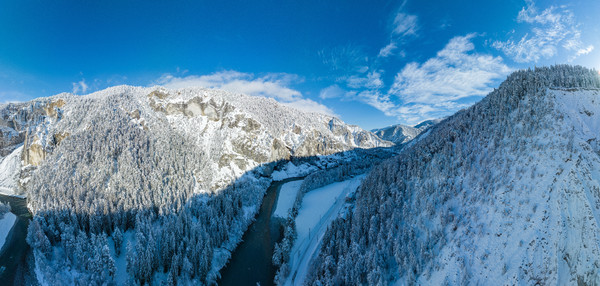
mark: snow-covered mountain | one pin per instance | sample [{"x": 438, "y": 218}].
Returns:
[
  {"x": 235, "y": 132},
  {"x": 401, "y": 134},
  {"x": 504, "y": 192},
  {"x": 174, "y": 175}
]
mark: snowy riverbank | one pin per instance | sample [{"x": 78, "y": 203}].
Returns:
[
  {"x": 6, "y": 224},
  {"x": 286, "y": 198},
  {"x": 319, "y": 208}
]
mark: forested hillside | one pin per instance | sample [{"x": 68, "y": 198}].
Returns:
[
  {"x": 145, "y": 185},
  {"x": 504, "y": 192}
]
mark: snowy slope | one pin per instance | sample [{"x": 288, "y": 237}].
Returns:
[
  {"x": 6, "y": 224},
  {"x": 319, "y": 208},
  {"x": 10, "y": 166},
  {"x": 505, "y": 192},
  {"x": 286, "y": 198},
  {"x": 399, "y": 134}
]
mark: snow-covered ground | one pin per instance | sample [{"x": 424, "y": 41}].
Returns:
[
  {"x": 9, "y": 169},
  {"x": 6, "y": 224},
  {"x": 121, "y": 275},
  {"x": 286, "y": 198},
  {"x": 319, "y": 208},
  {"x": 583, "y": 112},
  {"x": 290, "y": 171}
]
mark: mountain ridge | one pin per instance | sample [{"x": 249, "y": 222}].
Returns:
[
  {"x": 276, "y": 128},
  {"x": 494, "y": 194},
  {"x": 402, "y": 134}
]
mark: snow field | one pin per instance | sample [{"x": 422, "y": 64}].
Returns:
[
  {"x": 319, "y": 208},
  {"x": 290, "y": 170},
  {"x": 9, "y": 168},
  {"x": 286, "y": 198},
  {"x": 6, "y": 224}
]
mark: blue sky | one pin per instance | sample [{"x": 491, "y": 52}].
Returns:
[{"x": 371, "y": 63}]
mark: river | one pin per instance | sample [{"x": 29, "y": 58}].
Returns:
[
  {"x": 13, "y": 253},
  {"x": 251, "y": 262}
]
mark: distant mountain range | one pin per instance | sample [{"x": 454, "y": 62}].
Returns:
[{"x": 401, "y": 134}]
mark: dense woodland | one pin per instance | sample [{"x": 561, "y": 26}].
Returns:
[
  {"x": 141, "y": 185},
  {"x": 134, "y": 182},
  {"x": 410, "y": 206}
]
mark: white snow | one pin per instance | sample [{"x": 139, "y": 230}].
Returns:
[
  {"x": 290, "y": 171},
  {"x": 546, "y": 220},
  {"x": 9, "y": 169},
  {"x": 582, "y": 110},
  {"x": 6, "y": 224},
  {"x": 121, "y": 275},
  {"x": 319, "y": 208},
  {"x": 286, "y": 198}
]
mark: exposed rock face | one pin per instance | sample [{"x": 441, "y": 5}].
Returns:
[
  {"x": 26, "y": 124},
  {"x": 191, "y": 108},
  {"x": 9, "y": 140},
  {"x": 279, "y": 151},
  {"x": 243, "y": 135},
  {"x": 34, "y": 153},
  {"x": 53, "y": 108}
]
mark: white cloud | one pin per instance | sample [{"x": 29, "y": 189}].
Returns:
[
  {"x": 456, "y": 72},
  {"x": 378, "y": 100},
  {"x": 552, "y": 28},
  {"x": 273, "y": 85},
  {"x": 332, "y": 91},
  {"x": 405, "y": 24},
  {"x": 442, "y": 84},
  {"x": 371, "y": 81},
  {"x": 387, "y": 50},
  {"x": 80, "y": 86},
  {"x": 455, "y": 78}
]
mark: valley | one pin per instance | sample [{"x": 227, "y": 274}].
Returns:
[{"x": 157, "y": 186}]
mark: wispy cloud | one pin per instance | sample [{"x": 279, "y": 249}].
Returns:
[
  {"x": 404, "y": 25},
  {"x": 441, "y": 85},
  {"x": 273, "y": 85},
  {"x": 332, "y": 91},
  {"x": 455, "y": 72},
  {"x": 387, "y": 50},
  {"x": 344, "y": 59},
  {"x": 370, "y": 80},
  {"x": 552, "y": 28},
  {"x": 80, "y": 87},
  {"x": 454, "y": 79}
]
